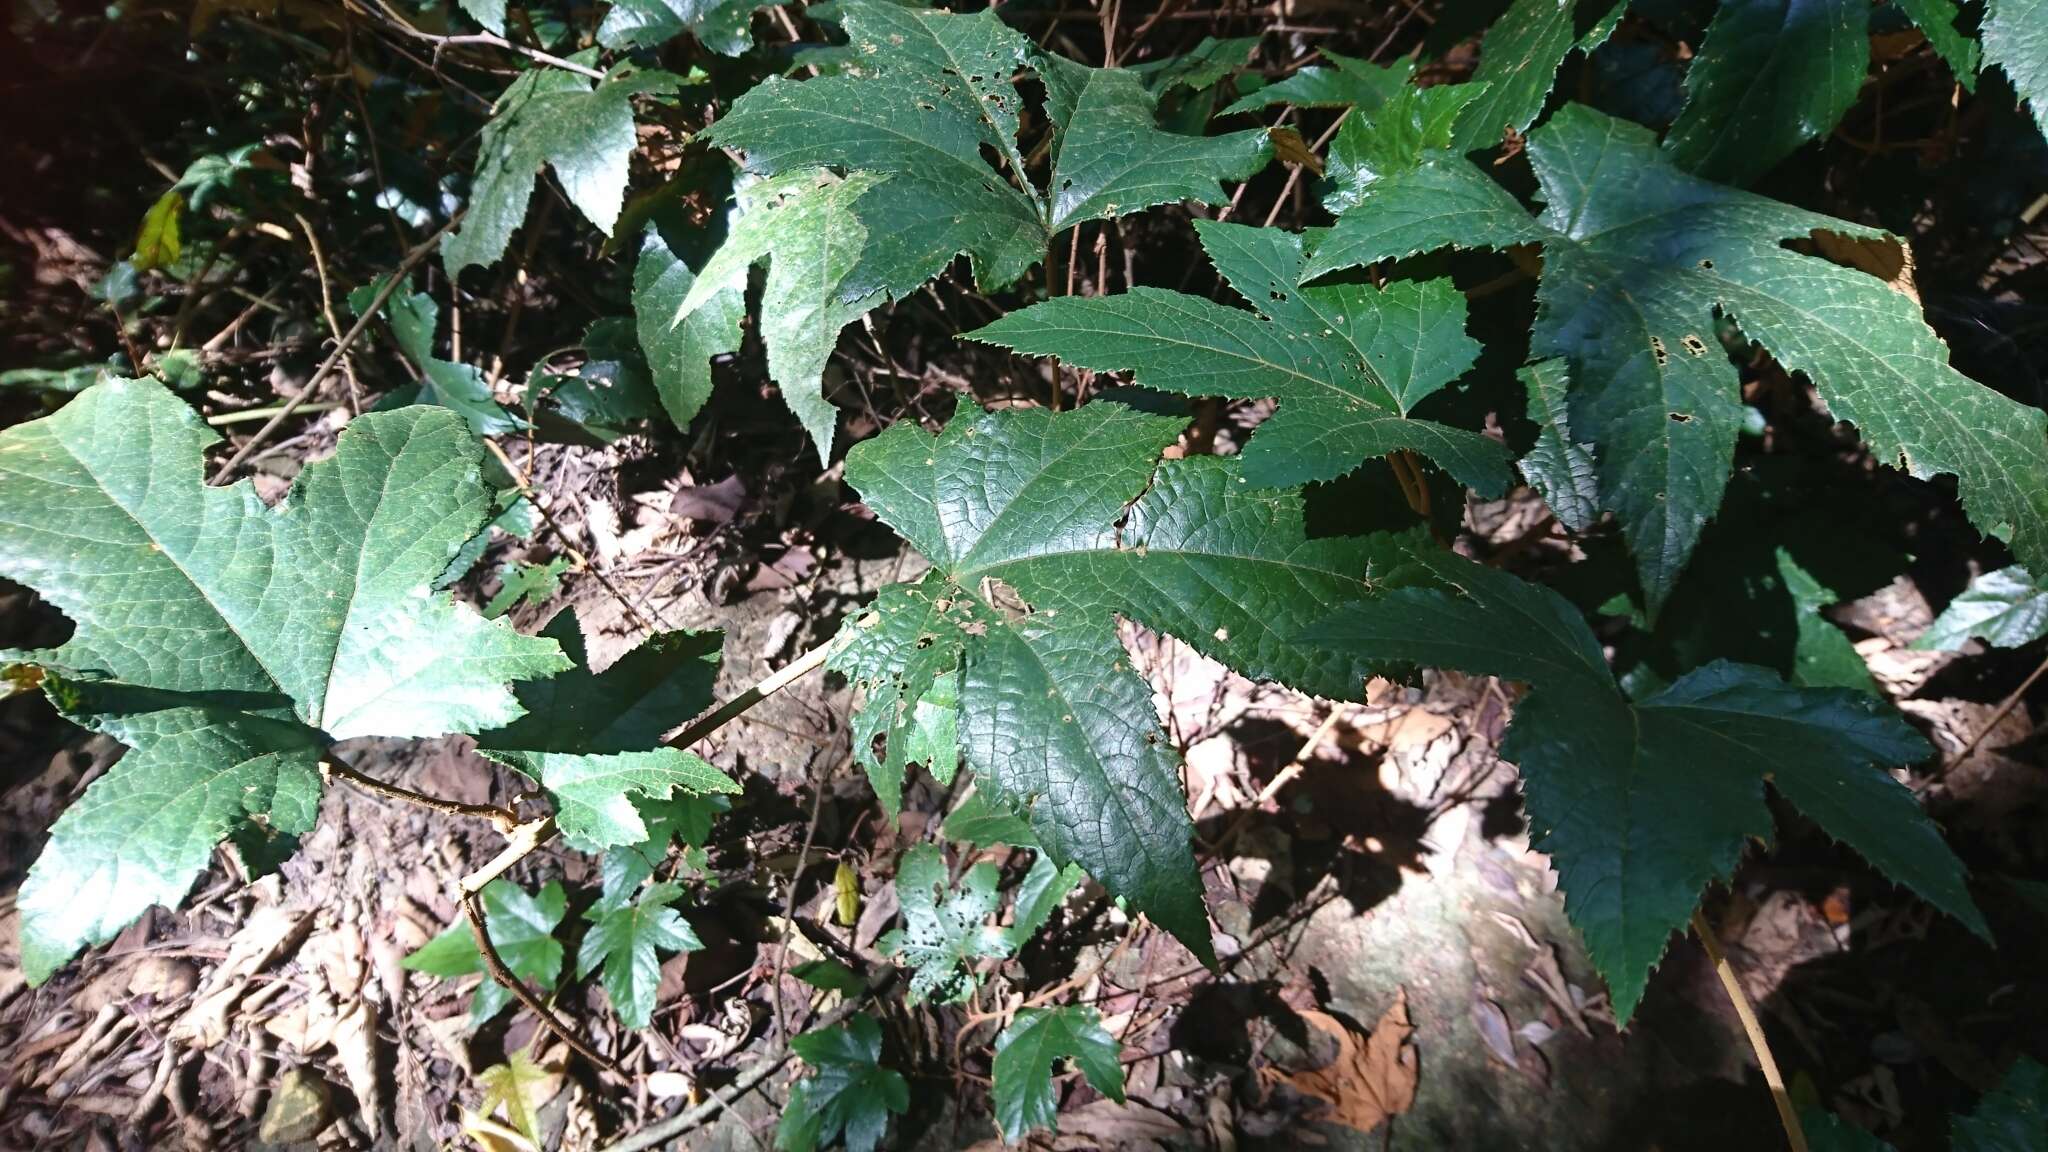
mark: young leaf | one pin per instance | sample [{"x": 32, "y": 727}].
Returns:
[
  {"x": 522, "y": 1088},
  {"x": 1347, "y": 361},
  {"x": 680, "y": 819},
  {"x": 1638, "y": 260},
  {"x": 982, "y": 823},
  {"x": 591, "y": 738},
  {"x": 932, "y": 90},
  {"x": 624, "y": 939},
  {"x": 237, "y": 639},
  {"x": 522, "y": 929},
  {"x": 943, "y": 929},
  {"x": 2005, "y": 609},
  {"x": 1413, "y": 124},
  {"x": 552, "y": 117},
  {"x": 1770, "y": 75},
  {"x": 1641, "y": 804},
  {"x": 1558, "y": 465},
  {"x": 803, "y": 224},
  {"x": 1518, "y": 62},
  {"x": 460, "y": 388},
  {"x": 1028, "y": 1049},
  {"x": 2016, "y": 39},
  {"x": 526, "y": 583},
  {"x": 679, "y": 352},
  {"x": 1822, "y": 656},
  {"x": 157, "y": 242},
  {"x": 851, "y": 1096},
  {"x": 894, "y": 664},
  {"x": 1076, "y": 515}
]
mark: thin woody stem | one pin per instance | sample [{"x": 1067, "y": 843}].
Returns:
[
  {"x": 1787, "y": 1115},
  {"x": 333, "y": 767},
  {"x": 473, "y": 906}
]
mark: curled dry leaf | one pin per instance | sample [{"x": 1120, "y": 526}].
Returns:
[{"x": 1373, "y": 1077}]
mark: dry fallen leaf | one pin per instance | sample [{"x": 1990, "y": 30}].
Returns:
[{"x": 1373, "y": 1077}]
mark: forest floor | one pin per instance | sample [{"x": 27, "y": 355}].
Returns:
[{"x": 1390, "y": 940}]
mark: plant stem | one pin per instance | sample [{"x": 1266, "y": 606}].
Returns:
[
  {"x": 773, "y": 683},
  {"x": 248, "y": 414},
  {"x": 473, "y": 906},
  {"x": 1787, "y": 1115},
  {"x": 333, "y": 767},
  {"x": 2004, "y": 708}
]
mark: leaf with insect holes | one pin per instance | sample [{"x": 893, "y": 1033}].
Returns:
[
  {"x": 1641, "y": 803},
  {"x": 930, "y": 95},
  {"x": 850, "y": 1096},
  {"x": 1639, "y": 260},
  {"x": 551, "y": 117},
  {"x": 593, "y": 739},
  {"x": 1770, "y": 75},
  {"x": 945, "y": 928},
  {"x": 1348, "y": 362},
  {"x": 1076, "y": 517},
  {"x": 627, "y": 940},
  {"x": 1028, "y": 1050},
  {"x": 231, "y": 641},
  {"x": 522, "y": 928}
]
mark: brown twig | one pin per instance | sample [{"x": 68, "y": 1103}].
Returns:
[
  {"x": 1787, "y": 1115},
  {"x": 333, "y": 767},
  {"x": 473, "y": 906},
  {"x": 2004, "y": 708},
  {"x": 419, "y": 252}
]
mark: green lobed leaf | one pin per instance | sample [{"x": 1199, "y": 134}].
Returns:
[
  {"x": 1770, "y": 75},
  {"x": 1348, "y": 82},
  {"x": 557, "y": 118},
  {"x": 460, "y": 388},
  {"x": 1822, "y": 656},
  {"x": 2012, "y": 1117},
  {"x": 850, "y": 1097},
  {"x": 803, "y": 224},
  {"x": 1026, "y": 1053},
  {"x": 522, "y": 927},
  {"x": 627, "y": 940},
  {"x": 2005, "y": 609},
  {"x": 930, "y": 92},
  {"x": 593, "y": 739},
  {"x": 1936, "y": 20},
  {"x": 1346, "y": 361},
  {"x": 1641, "y": 804},
  {"x": 1518, "y": 62},
  {"x": 1076, "y": 515},
  {"x": 679, "y": 352},
  {"x": 1411, "y": 125},
  {"x": 2015, "y": 36},
  {"x": 945, "y": 928},
  {"x": 1650, "y": 386},
  {"x": 681, "y": 818}
]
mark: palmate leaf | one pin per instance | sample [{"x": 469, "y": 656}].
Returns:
[
  {"x": 627, "y": 939},
  {"x": 1076, "y": 515},
  {"x": 1347, "y": 361},
  {"x": 1347, "y": 82},
  {"x": 230, "y": 641},
  {"x": 1770, "y": 75},
  {"x": 803, "y": 224},
  {"x": 522, "y": 928},
  {"x": 1038, "y": 1039},
  {"x": 928, "y": 91},
  {"x": 1640, "y": 804},
  {"x": 1936, "y": 20},
  {"x": 850, "y": 1097},
  {"x": 556, "y": 118},
  {"x": 593, "y": 739},
  {"x": 945, "y": 928},
  {"x": 2016, "y": 39},
  {"x": 1638, "y": 260},
  {"x": 460, "y": 388}
]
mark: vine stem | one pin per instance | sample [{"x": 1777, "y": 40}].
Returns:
[
  {"x": 1787, "y": 1115},
  {"x": 333, "y": 767}
]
